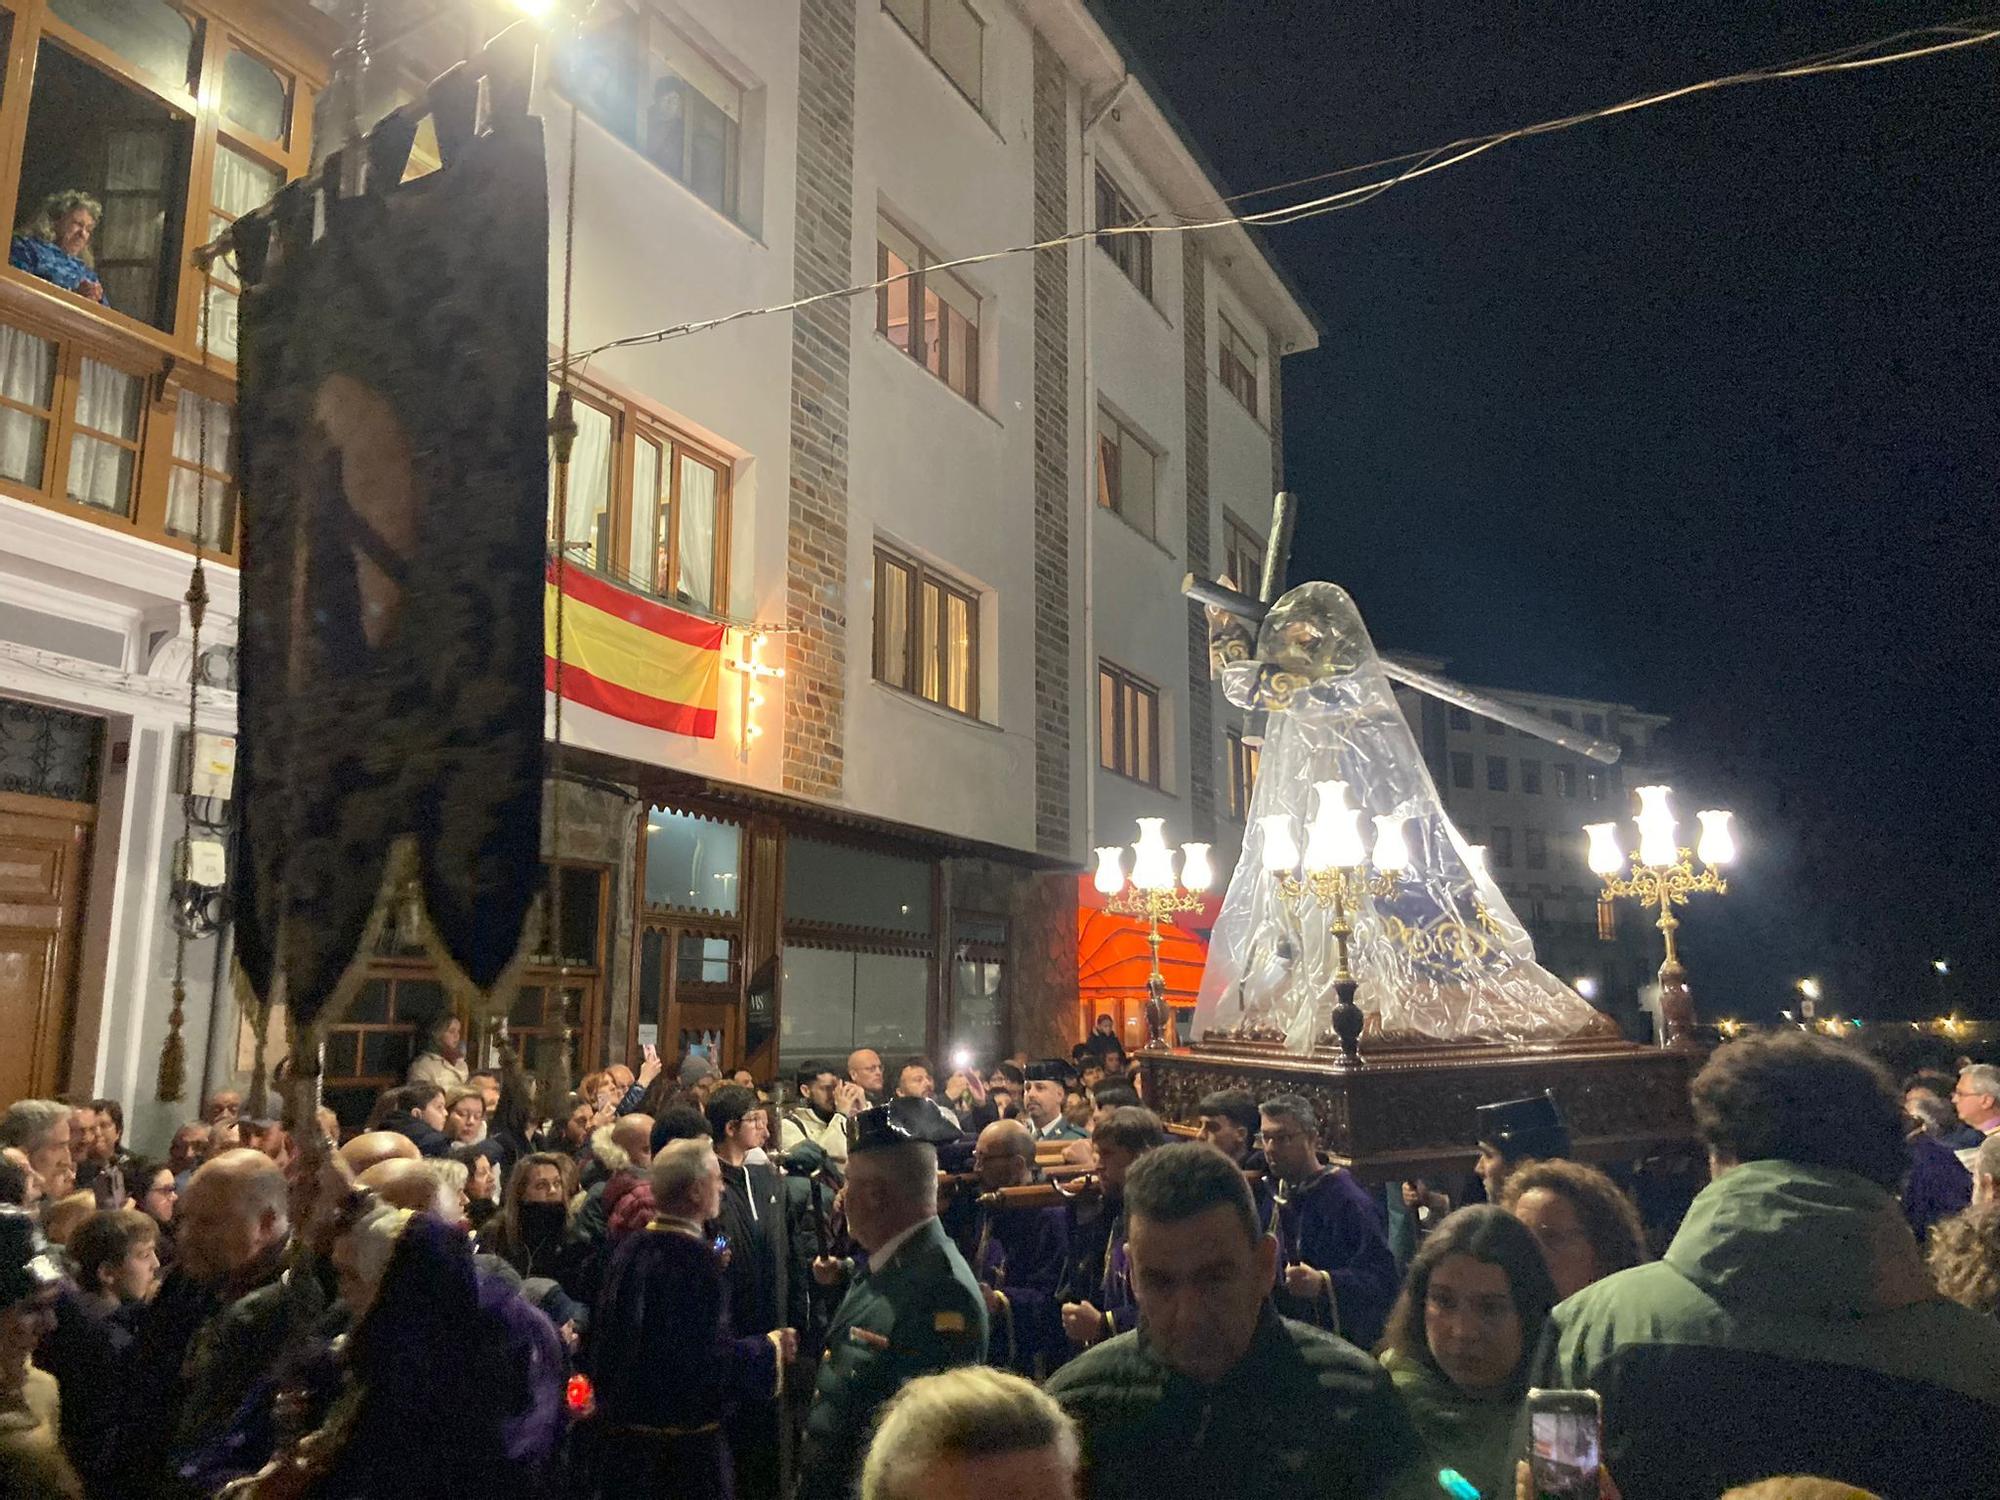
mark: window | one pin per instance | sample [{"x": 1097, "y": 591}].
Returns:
[
  {"x": 1607, "y": 920},
  {"x": 1458, "y": 718},
  {"x": 1131, "y": 253},
  {"x": 926, "y": 633},
  {"x": 1242, "y": 555},
  {"x": 1535, "y": 844},
  {"x": 128, "y": 95},
  {"x": 1494, "y": 726},
  {"x": 1500, "y": 847},
  {"x": 1593, "y": 786},
  {"x": 979, "y": 982},
  {"x": 930, "y": 315},
  {"x": 951, "y": 32},
  {"x": 1563, "y": 717},
  {"x": 1496, "y": 773},
  {"x": 1128, "y": 725},
  {"x": 1531, "y": 777},
  {"x": 693, "y": 863},
  {"x": 1238, "y": 364},
  {"x": 1126, "y": 474},
  {"x": 1243, "y": 760},
  {"x": 1461, "y": 770},
  {"x": 1565, "y": 781},
  {"x": 81, "y": 432},
  {"x": 645, "y": 83},
  {"x": 647, "y": 508},
  {"x": 200, "y": 482},
  {"x": 1593, "y": 723}
]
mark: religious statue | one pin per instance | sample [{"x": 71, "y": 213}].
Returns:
[{"x": 1435, "y": 954}]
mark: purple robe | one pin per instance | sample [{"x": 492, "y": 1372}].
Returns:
[
  {"x": 1938, "y": 1186},
  {"x": 668, "y": 1369},
  {"x": 1021, "y": 1254},
  {"x": 1333, "y": 1225}
]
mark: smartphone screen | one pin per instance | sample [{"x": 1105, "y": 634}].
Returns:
[{"x": 1563, "y": 1435}]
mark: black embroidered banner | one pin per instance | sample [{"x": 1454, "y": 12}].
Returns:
[{"x": 394, "y": 457}]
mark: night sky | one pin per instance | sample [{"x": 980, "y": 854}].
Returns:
[{"x": 1693, "y": 409}]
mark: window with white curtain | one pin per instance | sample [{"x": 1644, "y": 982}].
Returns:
[
  {"x": 699, "y": 502},
  {"x": 200, "y": 483},
  {"x": 588, "y": 516},
  {"x": 241, "y": 183},
  {"x": 647, "y": 508},
  {"x": 104, "y": 449},
  {"x": 27, "y": 399}
]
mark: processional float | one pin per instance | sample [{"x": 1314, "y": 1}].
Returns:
[{"x": 1363, "y": 956}]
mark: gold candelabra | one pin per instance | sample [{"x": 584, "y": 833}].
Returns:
[
  {"x": 1661, "y": 876},
  {"x": 1155, "y": 894},
  {"x": 1336, "y": 872}
]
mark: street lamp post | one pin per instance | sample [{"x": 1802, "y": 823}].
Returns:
[
  {"x": 1663, "y": 875},
  {"x": 1153, "y": 893},
  {"x": 1336, "y": 871}
]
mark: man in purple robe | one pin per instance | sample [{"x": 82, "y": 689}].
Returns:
[
  {"x": 1335, "y": 1266},
  {"x": 667, "y": 1368},
  {"x": 1017, "y": 1254}
]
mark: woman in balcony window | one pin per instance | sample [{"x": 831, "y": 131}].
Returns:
[{"x": 55, "y": 244}]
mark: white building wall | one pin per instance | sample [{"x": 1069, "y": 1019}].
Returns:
[{"x": 930, "y": 472}]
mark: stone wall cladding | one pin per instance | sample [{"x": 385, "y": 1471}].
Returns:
[
  {"x": 1201, "y": 697},
  {"x": 1052, "y": 455},
  {"x": 816, "y": 546}
]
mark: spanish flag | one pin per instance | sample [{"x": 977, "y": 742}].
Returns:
[{"x": 632, "y": 657}]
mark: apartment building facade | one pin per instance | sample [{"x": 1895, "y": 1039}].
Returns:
[{"x": 954, "y": 511}]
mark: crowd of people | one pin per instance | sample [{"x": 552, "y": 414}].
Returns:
[{"x": 1018, "y": 1283}]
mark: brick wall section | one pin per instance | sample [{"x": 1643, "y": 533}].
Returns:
[
  {"x": 1201, "y": 698},
  {"x": 1052, "y": 455},
  {"x": 816, "y": 547}
]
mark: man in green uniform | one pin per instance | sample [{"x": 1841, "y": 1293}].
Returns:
[{"x": 915, "y": 1310}]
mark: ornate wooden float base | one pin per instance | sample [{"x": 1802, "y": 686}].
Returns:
[{"x": 1408, "y": 1110}]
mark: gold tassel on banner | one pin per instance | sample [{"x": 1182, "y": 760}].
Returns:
[{"x": 173, "y": 1055}]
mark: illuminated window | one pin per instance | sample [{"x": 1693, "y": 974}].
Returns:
[
  {"x": 1127, "y": 474},
  {"x": 930, "y": 315},
  {"x": 1128, "y": 724},
  {"x": 926, "y": 633}
]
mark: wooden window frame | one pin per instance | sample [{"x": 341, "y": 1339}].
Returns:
[
  {"x": 657, "y": 64},
  {"x": 633, "y": 423},
  {"x": 1239, "y": 542},
  {"x": 1132, "y": 254},
  {"x": 975, "y": 99},
  {"x": 297, "y": 52},
  {"x": 1245, "y": 760},
  {"x": 222, "y": 30},
  {"x": 917, "y": 280},
  {"x": 920, "y": 574},
  {"x": 1110, "y": 477},
  {"x": 1237, "y": 372},
  {"x": 1119, "y": 756}
]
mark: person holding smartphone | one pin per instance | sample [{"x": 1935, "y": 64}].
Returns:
[{"x": 1461, "y": 1336}]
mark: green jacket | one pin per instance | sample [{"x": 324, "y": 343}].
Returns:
[
  {"x": 1789, "y": 1330},
  {"x": 1475, "y": 1435},
  {"x": 1304, "y": 1414},
  {"x": 922, "y": 1314}
]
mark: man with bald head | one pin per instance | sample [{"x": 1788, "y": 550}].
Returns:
[
  {"x": 373, "y": 1146},
  {"x": 207, "y": 1336},
  {"x": 424, "y": 1185},
  {"x": 1018, "y": 1254},
  {"x": 864, "y": 1067}
]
